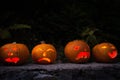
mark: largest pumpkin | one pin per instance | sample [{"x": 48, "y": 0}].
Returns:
[
  {"x": 77, "y": 51},
  {"x": 14, "y": 53}
]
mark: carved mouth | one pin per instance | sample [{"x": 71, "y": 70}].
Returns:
[
  {"x": 44, "y": 59},
  {"x": 82, "y": 55},
  {"x": 112, "y": 54},
  {"x": 12, "y": 60}
]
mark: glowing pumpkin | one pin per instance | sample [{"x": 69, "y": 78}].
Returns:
[
  {"x": 104, "y": 52},
  {"x": 44, "y": 53},
  {"x": 14, "y": 53},
  {"x": 77, "y": 51}
]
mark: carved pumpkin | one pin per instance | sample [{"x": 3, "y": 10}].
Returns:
[
  {"x": 14, "y": 53},
  {"x": 77, "y": 51},
  {"x": 44, "y": 53},
  {"x": 104, "y": 52}
]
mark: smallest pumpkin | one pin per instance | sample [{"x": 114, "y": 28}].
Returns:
[
  {"x": 104, "y": 52},
  {"x": 44, "y": 53},
  {"x": 14, "y": 53}
]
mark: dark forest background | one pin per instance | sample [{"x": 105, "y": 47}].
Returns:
[{"x": 60, "y": 21}]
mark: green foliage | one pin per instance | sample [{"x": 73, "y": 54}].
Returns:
[
  {"x": 93, "y": 36},
  {"x": 19, "y": 26},
  {"x": 89, "y": 36},
  {"x": 5, "y": 33}
]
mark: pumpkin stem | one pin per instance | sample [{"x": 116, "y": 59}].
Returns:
[
  {"x": 14, "y": 42},
  {"x": 42, "y": 42}
]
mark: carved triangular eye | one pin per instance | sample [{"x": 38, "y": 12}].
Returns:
[
  {"x": 104, "y": 47},
  {"x": 76, "y": 48},
  {"x": 112, "y": 47},
  {"x": 14, "y": 49},
  {"x": 5, "y": 49},
  {"x": 40, "y": 49}
]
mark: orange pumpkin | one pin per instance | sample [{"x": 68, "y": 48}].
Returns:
[
  {"x": 77, "y": 51},
  {"x": 104, "y": 52},
  {"x": 14, "y": 53},
  {"x": 44, "y": 53}
]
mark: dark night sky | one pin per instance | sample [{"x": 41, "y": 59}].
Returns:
[{"x": 62, "y": 19}]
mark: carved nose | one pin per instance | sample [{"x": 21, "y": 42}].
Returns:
[
  {"x": 10, "y": 54},
  {"x": 44, "y": 54}
]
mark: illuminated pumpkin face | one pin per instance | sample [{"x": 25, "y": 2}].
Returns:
[
  {"x": 14, "y": 53},
  {"x": 104, "y": 52},
  {"x": 77, "y": 51},
  {"x": 44, "y": 54}
]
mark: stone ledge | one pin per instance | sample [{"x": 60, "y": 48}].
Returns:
[{"x": 64, "y": 71}]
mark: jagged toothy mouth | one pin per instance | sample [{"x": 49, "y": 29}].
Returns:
[
  {"x": 12, "y": 60},
  {"x": 82, "y": 55}
]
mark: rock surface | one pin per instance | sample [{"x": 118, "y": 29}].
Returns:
[{"x": 64, "y": 71}]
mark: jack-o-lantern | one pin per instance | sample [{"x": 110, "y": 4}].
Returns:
[
  {"x": 77, "y": 51},
  {"x": 14, "y": 53},
  {"x": 44, "y": 53},
  {"x": 104, "y": 52}
]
